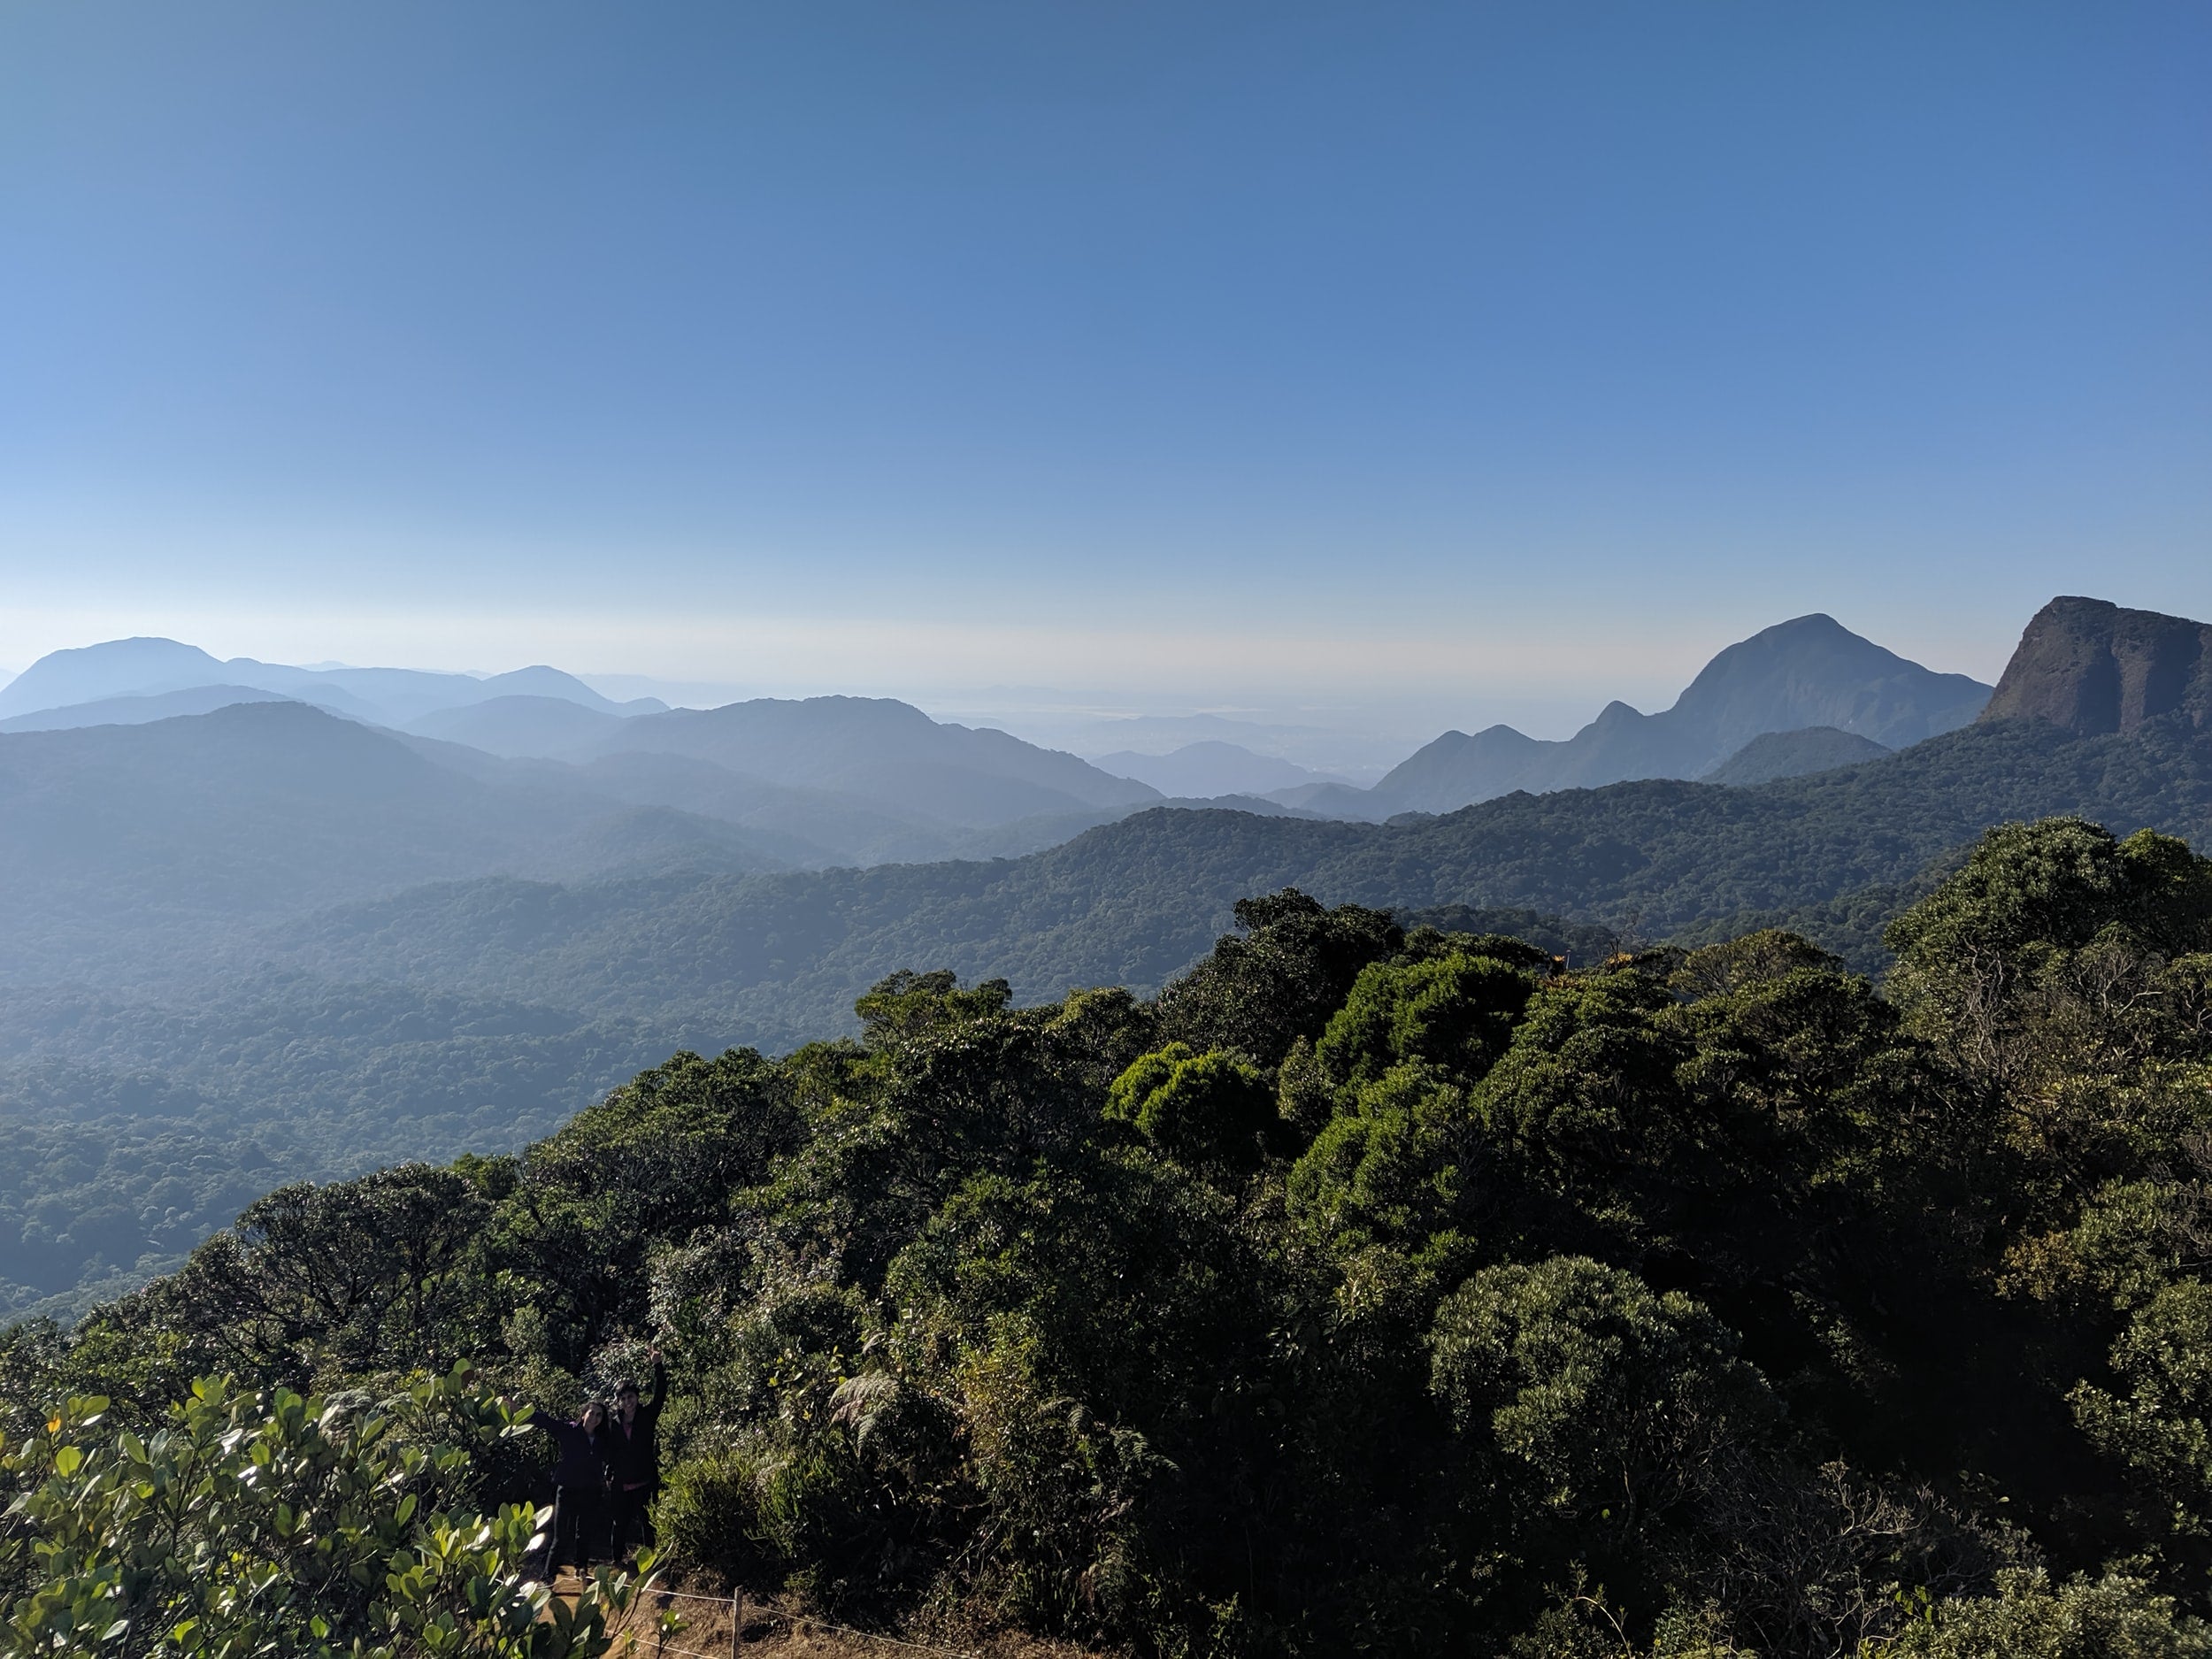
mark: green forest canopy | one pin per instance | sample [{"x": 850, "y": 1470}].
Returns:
[
  {"x": 472, "y": 1016},
  {"x": 1365, "y": 1289}
]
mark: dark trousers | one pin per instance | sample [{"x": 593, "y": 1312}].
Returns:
[
  {"x": 579, "y": 1525},
  {"x": 630, "y": 1508}
]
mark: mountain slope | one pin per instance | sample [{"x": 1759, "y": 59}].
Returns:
[
  {"x": 1793, "y": 754},
  {"x": 782, "y": 955},
  {"x": 454, "y": 1014},
  {"x": 113, "y": 669},
  {"x": 1815, "y": 672},
  {"x": 137, "y": 710},
  {"x": 129, "y": 848},
  {"x": 519, "y": 726},
  {"x": 1458, "y": 769},
  {"x": 1207, "y": 768},
  {"x": 2092, "y": 667},
  {"x": 840, "y": 828},
  {"x": 884, "y": 751},
  {"x": 1805, "y": 673},
  {"x": 138, "y": 1126}
]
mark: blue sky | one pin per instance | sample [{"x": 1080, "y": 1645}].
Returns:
[{"x": 1452, "y": 360}]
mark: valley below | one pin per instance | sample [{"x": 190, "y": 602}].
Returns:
[{"x": 267, "y": 939}]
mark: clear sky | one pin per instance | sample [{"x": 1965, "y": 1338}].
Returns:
[{"x": 1440, "y": 354}]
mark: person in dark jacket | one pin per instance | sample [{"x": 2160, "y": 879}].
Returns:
[
  {"x": 579, "y": 1488},
  {"x": 634, "y": 1457}
]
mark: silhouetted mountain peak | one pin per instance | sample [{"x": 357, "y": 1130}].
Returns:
[
  {"x": 86, "y": 673},
  {"x": 2093, "y": 667},
  {"x": 541, "y": 680},
  {"x": 1810, "y": 670}
]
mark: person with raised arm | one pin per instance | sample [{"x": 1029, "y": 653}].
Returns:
[
  {"x": 579, "y": 1488},
  {"x": 634, "y": 1457}
]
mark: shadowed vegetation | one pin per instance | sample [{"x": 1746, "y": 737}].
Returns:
[{"x": 1370, "y": 1289}]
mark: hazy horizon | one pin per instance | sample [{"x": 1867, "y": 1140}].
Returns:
[
  {"x": 1357, "y": 736},
  {"x": 1523, "y": 683},
  {"x": 1408, "y": 366}
]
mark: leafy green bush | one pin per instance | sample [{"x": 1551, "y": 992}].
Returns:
[
  {"x": 273, "y": 1523},
  {"x": 2114, "y": 1617},
  {"x": 1197, "y": 1107}
]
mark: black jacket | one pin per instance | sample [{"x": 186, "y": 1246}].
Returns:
[
  {"x": 633, "y": 1458},
  {"x": 583, "y": 1461}
]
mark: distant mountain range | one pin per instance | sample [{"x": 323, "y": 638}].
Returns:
[
  {"x": 139, "y": 850},
  {"x": 260, "y": 806},
  {"x": 1209, "y": 768},
  {"x": 123, "y": 672},
  {"x": 275, "y": 922},
  {"x": 1833, "y": 853},
  {"x": 1809, "y": 672},
  {"x": 826, "y": 780},
  {"x": 878, "y": 781}
]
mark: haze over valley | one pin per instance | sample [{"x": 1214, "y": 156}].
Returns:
[
  {"x": 310, "y": 920},
  {"x": 1106, "y": 831}
]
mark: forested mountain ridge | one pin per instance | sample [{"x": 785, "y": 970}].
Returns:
[
  {"x": 1794, "y": 754},
  {"x": 875, "y": 747},
  {"x": 1710, "y": 1302},
  {"x": 1807, "y": 672},
  {"x": 884, "y": 755},
  {"x": 827, "y": 780},
  {"x": 1132, "y": 902},
  {"x": 140, "y": 849},
  {"x": 149, "y": 842}
]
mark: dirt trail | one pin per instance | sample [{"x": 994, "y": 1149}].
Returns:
[{"x": 776, "y": 1632}]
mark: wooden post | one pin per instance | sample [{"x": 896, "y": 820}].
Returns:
[{"x": 737, "y": 1620}]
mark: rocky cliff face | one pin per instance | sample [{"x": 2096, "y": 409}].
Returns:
[{"x": 2090, "y": 666}]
